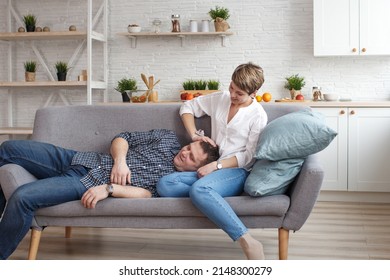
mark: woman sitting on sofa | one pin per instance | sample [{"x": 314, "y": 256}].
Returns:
[{"x": 236, "y": 122}]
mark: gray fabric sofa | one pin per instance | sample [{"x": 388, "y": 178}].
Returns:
[{"x": 86, "y": 128}]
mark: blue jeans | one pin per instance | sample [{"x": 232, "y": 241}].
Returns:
[
  {"x": 208, "y": 193},
  {"x": 58, "y": 182}
]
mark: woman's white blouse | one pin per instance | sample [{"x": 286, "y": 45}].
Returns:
[{"x": 237, "y": 138}]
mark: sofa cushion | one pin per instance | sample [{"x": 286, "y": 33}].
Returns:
[
  {"x": 166, "y": 206},
  {"x": 272, "y": 177},
  {"x": 295, "y": 135}
]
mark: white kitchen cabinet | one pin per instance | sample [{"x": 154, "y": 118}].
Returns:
[
  {"x": 86, "y": 40},
  {"x": 357, "y": 159},
  {"x": 334, "y": 157},
  {"x": 351, "y": 27},
  {"x": 369, "y": 149}
]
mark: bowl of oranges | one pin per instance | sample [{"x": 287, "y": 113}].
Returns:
[{"x": 139, "y": 96}]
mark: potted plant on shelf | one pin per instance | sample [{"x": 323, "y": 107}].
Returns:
[
  {"x": 294, "y": 84},
  {"x": 62, "y": 70},
  {"x": 30, "y": 68},
  {"x": 125, "y": 86},
  {"x": 30, "y": 21},
  {"x": 220, "y": 15}
]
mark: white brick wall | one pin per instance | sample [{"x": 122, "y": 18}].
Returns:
[{"x": 277, "y": 34}]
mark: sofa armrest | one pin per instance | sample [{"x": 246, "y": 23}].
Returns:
[
  {"x": 12, "y": 176},
  {"x": 304, "y": 193}
]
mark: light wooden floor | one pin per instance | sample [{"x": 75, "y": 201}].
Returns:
[{"x": 334, "y": 231}]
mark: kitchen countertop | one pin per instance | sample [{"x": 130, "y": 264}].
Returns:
[
  {"x": 314, "y": 104},
  {"x": 338, "y": 104}
]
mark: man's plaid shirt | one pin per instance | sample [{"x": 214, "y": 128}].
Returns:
[{"x": 150, "y": 156}]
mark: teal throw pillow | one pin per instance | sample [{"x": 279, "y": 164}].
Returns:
[
  {"x": 294, "y": 135},
  {"x": 272, "y": 177}
]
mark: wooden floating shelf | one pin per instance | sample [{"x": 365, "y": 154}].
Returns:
[
  {"x": 16, "y": 130},
  {"x": 44, "y": 84},
  {"x": 178, "y": 34},
  {"x": 57, "y": 35},
  {"x": 133, "y": 36}
]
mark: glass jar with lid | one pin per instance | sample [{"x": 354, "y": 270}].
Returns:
[
  {"x": 175, "y": 23},
  {"x": 317, "y": 95}
]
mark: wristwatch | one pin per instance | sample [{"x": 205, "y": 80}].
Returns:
[
  {"x": 219, "y": 165},
  {"x": 110, "y": 189}
]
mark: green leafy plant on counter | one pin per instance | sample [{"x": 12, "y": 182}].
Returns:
[
  {"x": 189, "y": 85},
  {"x": 213, "y": 85},
  {"x": 125, "y": 84},
  {"x": 295, "y": 82},
  {"x": 200, "y": 85}
]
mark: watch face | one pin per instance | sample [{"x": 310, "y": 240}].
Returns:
[{"x": 219, "y": 166}]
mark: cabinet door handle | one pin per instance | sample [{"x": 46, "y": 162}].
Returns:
[
  {"x": 342, "y": 112},
  {"x": 364, "y": 49},
  {"x": 353, "y": 112},
  {"x": 354, "y": 50}
]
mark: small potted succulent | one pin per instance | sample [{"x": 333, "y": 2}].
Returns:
[
  {"x": 294, "y": 84},
  {"x": 125, "y": 86},
  {"x": 30, "y": 68},
  {"x": 62, "y": 70},
  {"x": 30, "y": 21},
  {"x": 220, "y": 15}
]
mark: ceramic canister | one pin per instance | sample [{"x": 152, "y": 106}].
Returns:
[
  {"x": 193, "y": 25},
  {"x": 205, "y": 25}
]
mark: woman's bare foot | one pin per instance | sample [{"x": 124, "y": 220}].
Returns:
[{"x": 252, "y": 248}]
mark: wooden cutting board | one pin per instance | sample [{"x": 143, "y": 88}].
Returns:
[{"x": 291, "y": 100}]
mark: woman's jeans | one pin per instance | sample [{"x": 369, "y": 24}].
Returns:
[
  {"x": 58, "y": 182},
  {"x": 207, "y": 194}
]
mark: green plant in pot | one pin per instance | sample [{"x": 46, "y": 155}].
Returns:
[
  {"x": 189, "y": 85},
  {"x": 30, "y": 21},
  {"x": 200, "y": 85},
  {"x": 294, "y": 84},
  {"x": 213, "y": 85},
  {"x": 125, "y": 86},
  {"x": 219, "y": 16},
  {"x": 30, "y": 68},
  {"x": 62, "y": 70}
]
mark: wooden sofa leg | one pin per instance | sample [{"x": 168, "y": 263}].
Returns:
[
  {"x": 283, "y": 243},
  {"x": 68, "y": 232},
  {"x": 34, "y": 244}
]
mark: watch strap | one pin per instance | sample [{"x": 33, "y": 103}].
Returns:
[{"x": 110, "y": 189}]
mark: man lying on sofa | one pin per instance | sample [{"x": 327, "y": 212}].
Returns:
[{"x": 135, "y": 163}]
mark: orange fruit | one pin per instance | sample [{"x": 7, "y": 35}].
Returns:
[
  {"x": 267, "y": 97},
  {"x": 259, "y": 98}
]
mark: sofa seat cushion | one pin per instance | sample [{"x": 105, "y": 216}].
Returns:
[{"x": 162, "y": 207}]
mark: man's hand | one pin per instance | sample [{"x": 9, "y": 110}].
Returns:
[
  {"x": 93, "y": 196},
  {"x": 206, "y": 169},
  {"x": 120, "y": 174}
]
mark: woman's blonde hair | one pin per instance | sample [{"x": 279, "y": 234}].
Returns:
[{"x": 248, "y": 77}]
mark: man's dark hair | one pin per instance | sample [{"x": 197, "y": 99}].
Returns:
[{"x": 211, "y": 151}]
